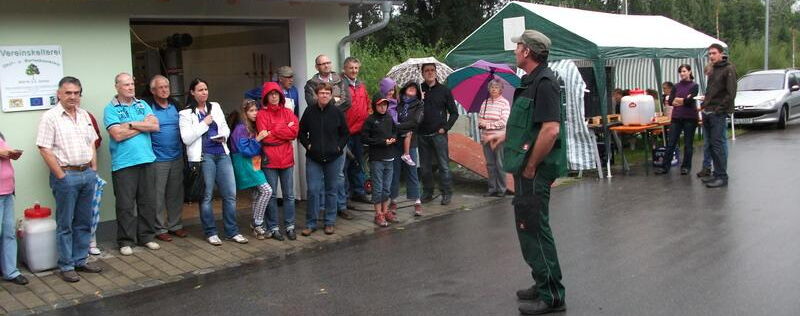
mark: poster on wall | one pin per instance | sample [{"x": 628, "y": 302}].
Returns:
[{"x": 29, "y": 77}]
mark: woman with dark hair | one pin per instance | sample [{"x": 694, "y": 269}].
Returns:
[
  {"x": 684, "y": 119},
  {"x": 246, "y": 156},
  {"x": 204, "y": 131}
]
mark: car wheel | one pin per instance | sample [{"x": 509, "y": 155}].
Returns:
[{"x": 783, "y": 118}]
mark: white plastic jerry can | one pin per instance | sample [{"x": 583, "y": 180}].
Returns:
[
  {"x": 37, "y": 239},
  {"x": 638, "y": 108}
]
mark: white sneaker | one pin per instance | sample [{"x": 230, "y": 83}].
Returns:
[
  {"x": 214, "y": 240},
  {"x": 407, "y": 159},
  {"x": 126, "y": 251},
  {"x": 239, "y": 239},
  {"x": 152, "y": 245},
  {"x": 93, "y": 250}
]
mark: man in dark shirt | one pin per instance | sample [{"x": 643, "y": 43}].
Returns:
[
  {"x": 440, "y": 113},
  {"x": 535, "y": 152}
]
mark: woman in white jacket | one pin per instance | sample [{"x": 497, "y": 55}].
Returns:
[{"x": 204, "y": 131}]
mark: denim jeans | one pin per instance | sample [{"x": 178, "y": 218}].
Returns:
[
  {"x": 73, "y": 195},
  {"x": 323, "y": 177},
  {"x": 381, "y": 180},
  {"x": 354, "y": 168},
  {"x": 285, "y": 177},
  {"x": 8, "y": 246},
  {"x": 687, "y": 127},
  {"x": 434, "y": 147},
  {"x": 707, "y": 162},
  {"x": 218, "y": 169},
  {"x": 412, "y": 181},
  {"x": 716, "y": 124}
]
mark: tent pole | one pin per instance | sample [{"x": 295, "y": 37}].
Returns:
[
  {"x": 600, "y": 81},
  {"x": 659, "y": 80}
]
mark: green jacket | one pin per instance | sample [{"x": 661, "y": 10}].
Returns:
[{"x": 523, "y": 126}]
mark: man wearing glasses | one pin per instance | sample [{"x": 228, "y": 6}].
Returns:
[{"x": 341, "y": 97}]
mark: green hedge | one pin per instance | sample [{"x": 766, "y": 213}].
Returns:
[{"x": 376, "y": 61}]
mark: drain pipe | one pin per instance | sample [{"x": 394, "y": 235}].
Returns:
[{"x": 386, "y": 8}]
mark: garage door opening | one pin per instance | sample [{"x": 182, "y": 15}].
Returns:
[{"x": 232, "y": 56}]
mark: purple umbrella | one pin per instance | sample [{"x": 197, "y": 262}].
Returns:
[{"x": 470, "y": 84}]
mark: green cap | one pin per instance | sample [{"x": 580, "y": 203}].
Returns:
[{"x": 535, "y": 40}]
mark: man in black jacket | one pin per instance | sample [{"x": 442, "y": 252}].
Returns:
[
  {"x": 717, "y": 105},
  {"x": 323, "y": 133},
  {"x": 440, "y": 115}
]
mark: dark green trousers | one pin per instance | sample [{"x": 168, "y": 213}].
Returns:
[{"x": 531, "y": 212}]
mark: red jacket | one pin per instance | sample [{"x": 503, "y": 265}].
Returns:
[
  {"x": 277, "y": 120},
  {"x": 358, "y": 112}
]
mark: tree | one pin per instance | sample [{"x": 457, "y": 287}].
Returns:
[{"x": 32, "y": 71}]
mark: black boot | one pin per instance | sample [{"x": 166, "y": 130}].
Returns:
[{"x": 538, "y": 307}]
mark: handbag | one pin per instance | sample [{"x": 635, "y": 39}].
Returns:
[{"x": 193, "y": 182}]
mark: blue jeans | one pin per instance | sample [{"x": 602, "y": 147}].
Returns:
[
  {"x": 73, "y": 195},
  {"x": 218, "y": 169},
  {"x": 285, "y": 177},
  {"x": 707, "y": 162},
  {"x": 412, "y": 181},
  {"x": 381, "y": 180},
  {"x": 8, "y": 246},
  {"x": 323, "y": 177},
  {"x": 354, "y": 168},
  {"x": 715, "y": 126},
  {"x": 434, "y": 147}
]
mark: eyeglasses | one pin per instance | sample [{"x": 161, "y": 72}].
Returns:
[{"x": 325, "y": 63}]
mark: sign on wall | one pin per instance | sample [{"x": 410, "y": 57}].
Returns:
[{"x": 29, "y": 77}]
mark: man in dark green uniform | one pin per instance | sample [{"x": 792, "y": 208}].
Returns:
[{"x": 535, "y": 154}]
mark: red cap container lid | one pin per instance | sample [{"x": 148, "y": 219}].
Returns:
[
  {"x": 636, "y": 91},
  {"x": 37, "y": 212}
]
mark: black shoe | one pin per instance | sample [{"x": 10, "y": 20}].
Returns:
[
  {"x": 684, "y": 171},
  {"x": 291, "y": 234},
  {"x": 69, "y": 276},
  {"x": 500, "y": 194},
  {"x": 276, "y": 234},
  {"x": 426, "y": 198},
  {"x": 89, "y": 268},
  {"x": 361, "y": 198},
  {"x": 528, "y": 294},
  {"x": 717, "y": 183},
  {"x": 345, "y": 214},
  {"x": 708, "y": 179},
  {"x": 661, "y": 171},
  {"x": 705, "y": 172},
  {"x": 538, "y": 307},
  {"x": 446, "y": 199},
  {"x": 20, "y": 280},
  {"x": 489, "y": 194}
]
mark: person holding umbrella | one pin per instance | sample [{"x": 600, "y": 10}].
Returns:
[{"x": 492, "y": 120}]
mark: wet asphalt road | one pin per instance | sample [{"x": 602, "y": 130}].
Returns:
[{"x": 632, "y": 245}]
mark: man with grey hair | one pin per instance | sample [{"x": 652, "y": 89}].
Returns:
[
  {"x": 130, "y": 121},
  {"x": 286, "y": 82},
  {"x": 535, "y": 153},
  {"x": 168, "y": 149},
  {"x": 66, "y": 139}
]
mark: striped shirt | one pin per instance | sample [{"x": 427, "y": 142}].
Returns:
[
  {"x": 495, "y": 113},
  {"x": 70, "y": 140}
]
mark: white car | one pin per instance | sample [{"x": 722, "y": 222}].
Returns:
[{"x": 768, "y": 97}]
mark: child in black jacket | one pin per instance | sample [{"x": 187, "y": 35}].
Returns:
[{"x": 380, "y": 134}]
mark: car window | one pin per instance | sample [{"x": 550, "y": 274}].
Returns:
[
  {"x": 794, "y": 79},
  {"x": 761, "y": 82}
]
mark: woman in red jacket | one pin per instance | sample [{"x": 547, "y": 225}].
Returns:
[{"x": 278, "y": 162}]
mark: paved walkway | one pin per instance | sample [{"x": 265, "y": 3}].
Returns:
[{"x": 188, "y": 257}]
